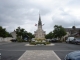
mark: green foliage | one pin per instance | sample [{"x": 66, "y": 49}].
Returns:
[
  {"x": 49, "y": 35},
  {"x": 22, "y": 34},
  {"x": 59, "y": 31},
  {"x": 19, "y": 31},
  {"x": 4, "y": 33},
  {"x": 30, "y": 35}
]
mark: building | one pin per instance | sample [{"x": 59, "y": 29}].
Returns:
[
  {"x": 39, "y": 33},
  {"x": 13, "y": 34},
  {"x": 73, "y": 31}
]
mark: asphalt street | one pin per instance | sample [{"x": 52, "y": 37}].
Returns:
[{"x": 13, "y": 51}]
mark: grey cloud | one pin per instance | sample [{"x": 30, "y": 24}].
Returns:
[
  {"x": 67, "y": 21},
  {"x": 74, "y": 4},
  {"x": 63, "y": 13},
  {"x": 14, "y": 13},
  {"x": 19, "y": 10}
]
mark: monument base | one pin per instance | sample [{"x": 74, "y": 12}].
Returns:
[{"x": 39, "y": 42}]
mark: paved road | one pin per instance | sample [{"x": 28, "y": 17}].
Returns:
[{"x": 13, "y": 51}]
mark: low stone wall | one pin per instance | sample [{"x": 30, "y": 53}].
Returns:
[{"x": 7, "y": 39}]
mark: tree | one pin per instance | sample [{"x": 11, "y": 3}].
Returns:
[
  {"x": 59, "y": 31},
  {"x": 4, "y": 33},
  {"x": 30, "y": 35},
  {"x": 22, "y": 33},
  {"x": 49, "y": 35}
]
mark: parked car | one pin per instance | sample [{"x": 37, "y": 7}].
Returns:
[
  {"x": 13, "y": 40},
  {"x": 73, "y": 41},
  {"x": 69, "y": 40},
  {"x": 25, "y": 39},
  {"x": 73, "y": 56},
  {"x": 77, "y": 41},
  {"x": 54, "y": 40}
]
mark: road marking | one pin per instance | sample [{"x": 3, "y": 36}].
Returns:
[
  {"x": 39, "y": 55},
  {"x": 56, "y": 55}
]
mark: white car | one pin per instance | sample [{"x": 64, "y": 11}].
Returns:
[{"x": 69, "y": 40}]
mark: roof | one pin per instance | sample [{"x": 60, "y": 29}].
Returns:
[{"x": 69, "y": 29}]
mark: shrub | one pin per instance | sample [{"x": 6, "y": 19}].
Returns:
[{"x": 35, "y": 43}]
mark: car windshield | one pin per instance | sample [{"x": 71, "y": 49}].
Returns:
[
  {"x": 77, "y": 38},
  {"x": 71, "y": 38}
]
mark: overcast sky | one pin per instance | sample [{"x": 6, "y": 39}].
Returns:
[{"x": 25, "y": 13}]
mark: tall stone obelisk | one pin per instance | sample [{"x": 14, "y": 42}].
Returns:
[{"x": 39, "y": 33}]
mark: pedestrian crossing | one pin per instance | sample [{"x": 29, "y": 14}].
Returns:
[{"x": 39, "y": 55}]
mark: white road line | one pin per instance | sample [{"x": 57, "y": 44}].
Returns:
[
  {"x": 39, "y": 55},
  {"x": 56, "y": 55}
]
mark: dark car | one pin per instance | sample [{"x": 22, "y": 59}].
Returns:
[
  {"x": 13, "y": 40},
  {"x": 54, "y": 40},
  {"x": 73, "y": 56},
  {"x": 76, "y": 41}
]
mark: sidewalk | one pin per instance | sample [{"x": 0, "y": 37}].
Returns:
[{"x": 39, "y": 55}]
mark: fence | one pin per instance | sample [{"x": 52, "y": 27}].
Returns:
[{"x": 7, "y": 39}]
